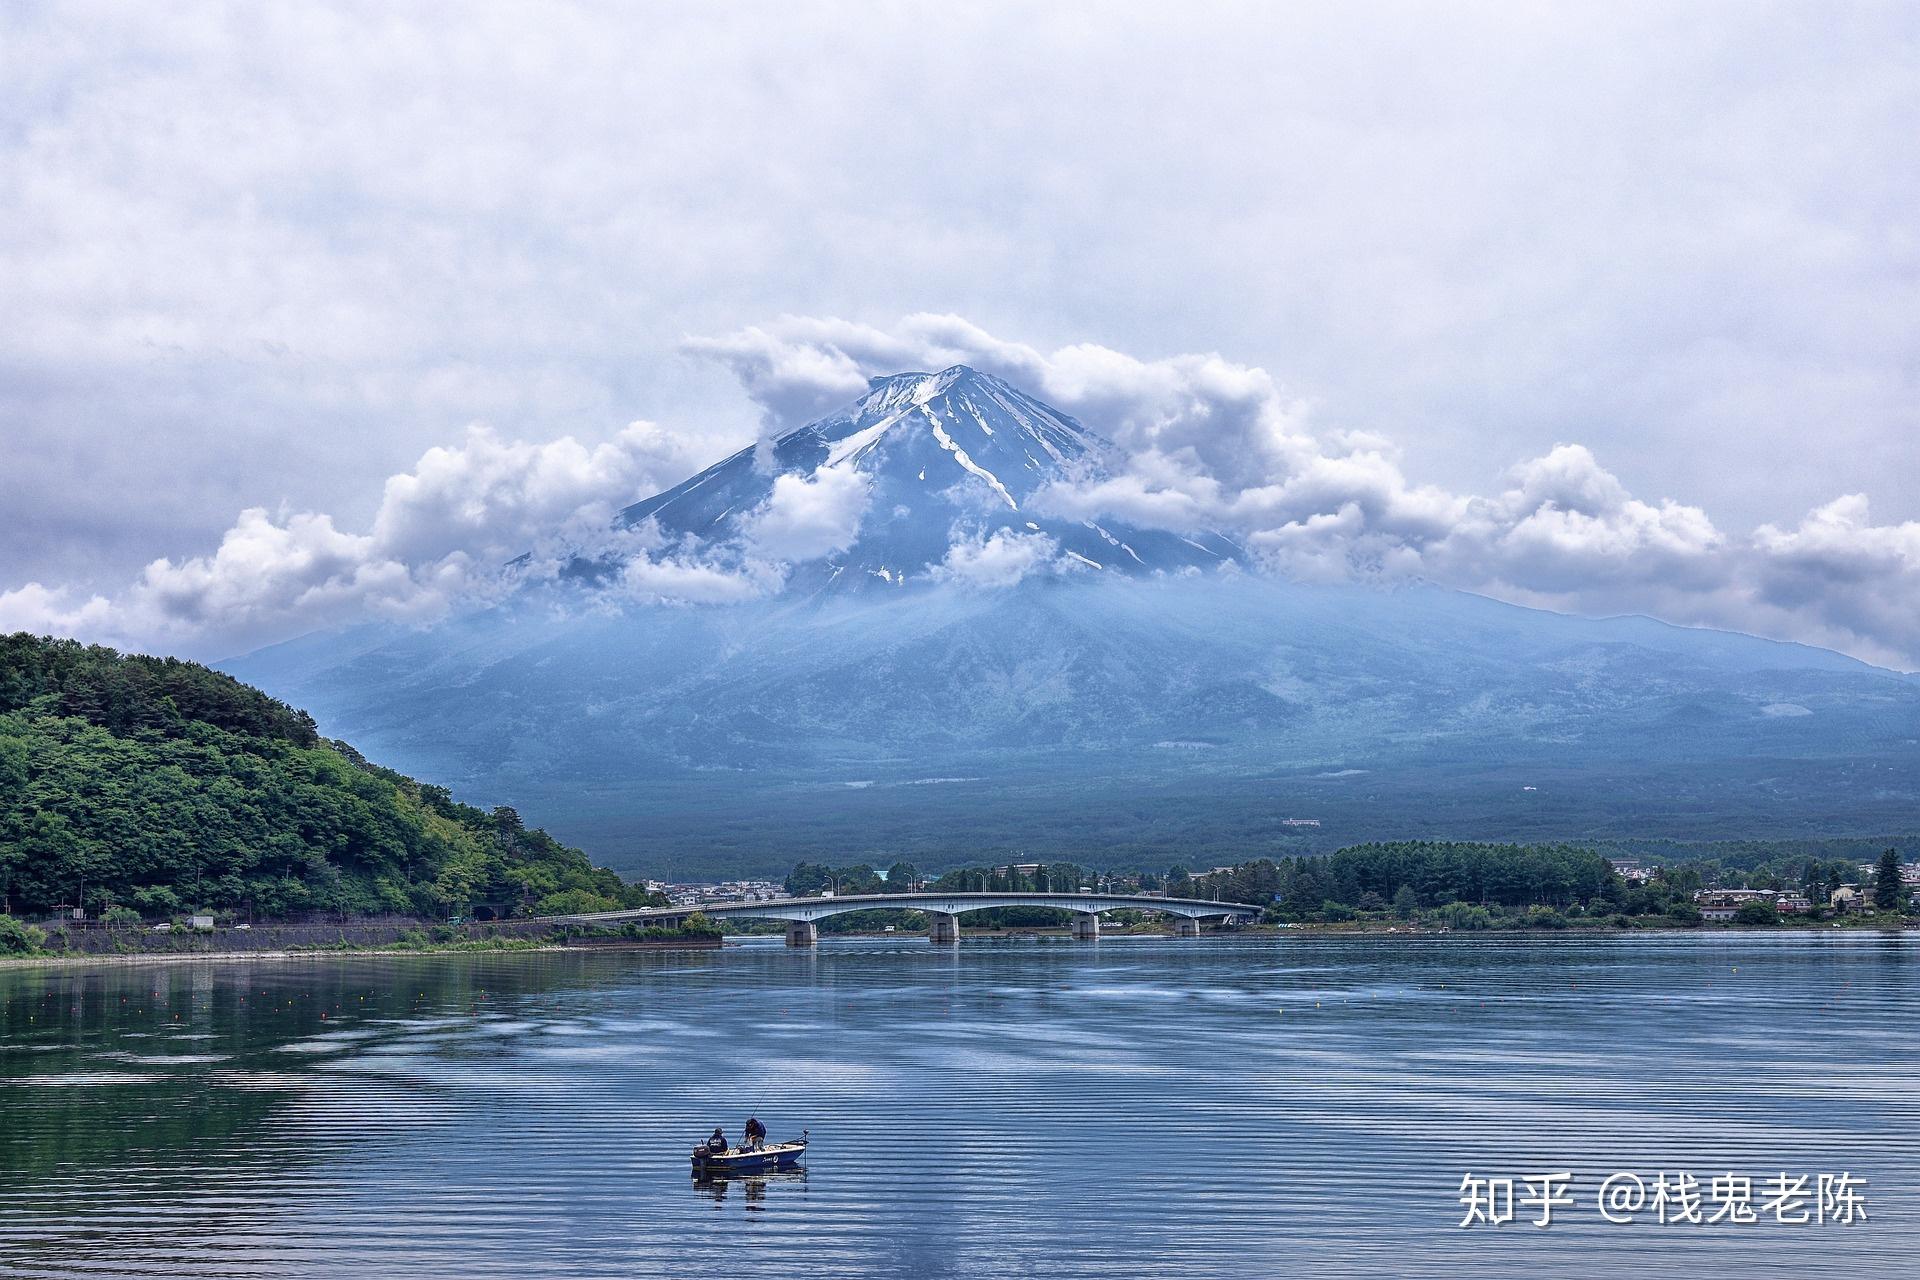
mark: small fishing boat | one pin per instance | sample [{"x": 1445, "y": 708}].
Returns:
[{"x": 767, "y": 1158}]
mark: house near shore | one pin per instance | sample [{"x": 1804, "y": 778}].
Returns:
[{"x": 1721, "y": 904}]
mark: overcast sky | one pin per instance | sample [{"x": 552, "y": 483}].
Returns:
[{"x": 269, "y": 256}]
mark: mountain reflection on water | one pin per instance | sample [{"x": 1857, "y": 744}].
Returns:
[{"x": 1219, "y": 1107}]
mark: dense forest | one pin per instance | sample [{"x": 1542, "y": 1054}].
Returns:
[{"x": 157, "y": 786}]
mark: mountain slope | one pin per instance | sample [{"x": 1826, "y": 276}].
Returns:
[
  {"x": 1102, "y": 715},
  {"x": 164, "y": 785}
]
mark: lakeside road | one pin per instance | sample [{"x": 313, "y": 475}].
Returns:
[{"x": 186, "y": 957}]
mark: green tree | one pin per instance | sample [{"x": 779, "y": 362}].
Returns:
[
  {"x": 19, "y": 939},
  {"x": 808, "y": 878},
  {"x": 574, "y": 902},
  {"x": 1756, "y": 911},
  {"x": 1813, "y": 881},
  {"x": 1684, "y": 912},
  {"x": 1466, "y": 915},
  {"x": 1405, "y": 902},
  {"x": 859, "y": 879},
  {"x": 1886, "y": 882}
]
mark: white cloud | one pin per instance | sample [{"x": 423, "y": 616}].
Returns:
[
  {"x": 493, "y": 497},
  {"x": 1000, "y": 559},
  {"x": 1568, "y": 525},
  {"x": 439, "y": 541},
  {"x": 298, "y": 570},
  {"x": 672, "y": 580},
  {"x": 53, "y": 611},
  {"x": 792, "y": 382},
  {"x": 1858, "y": 581},
  {"x": 807, "y": 517}
]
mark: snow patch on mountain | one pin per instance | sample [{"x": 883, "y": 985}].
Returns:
[{"x": 960, "y": 456}]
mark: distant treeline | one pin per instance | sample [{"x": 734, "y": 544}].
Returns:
[
  {"x": 1507, "y": 875},
  {"x": 1435, "y": 872},
  {"x": 156, "y": 786},
  {"x": 1203, "y": 822},
  {"x": 1748, "y": 855},
  {"x": 1463, "y": 884}
]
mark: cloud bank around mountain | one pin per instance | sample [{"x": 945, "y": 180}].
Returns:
[
  {"x": 1205, "y": 443},
  {"x": 1202, "y": 444},
  {"x": 440, "y": 540}
]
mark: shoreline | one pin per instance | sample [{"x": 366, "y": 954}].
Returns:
[
  {"x": 323, "y": 953},
  {"x": 121, "y": 959}
]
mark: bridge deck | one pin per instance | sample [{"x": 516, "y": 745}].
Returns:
[{"x": 940, "y": 904}]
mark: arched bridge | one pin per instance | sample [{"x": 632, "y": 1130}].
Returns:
[{"x": 943, "y": 911}]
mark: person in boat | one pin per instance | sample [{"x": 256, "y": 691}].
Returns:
[
  {"x": 756, "y": 1134},
  {"x": 717, "y": 1144}
]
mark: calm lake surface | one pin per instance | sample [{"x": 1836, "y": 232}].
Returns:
[{"x": 1128, "y": 1107}]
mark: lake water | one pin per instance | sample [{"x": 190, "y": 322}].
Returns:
[{"x": 1129, "y": 1107}]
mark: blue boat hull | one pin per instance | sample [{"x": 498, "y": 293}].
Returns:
[{"x": 769, "y": 1159}]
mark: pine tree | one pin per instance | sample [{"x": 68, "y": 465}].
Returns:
[{"x": 1886, "y": 883}]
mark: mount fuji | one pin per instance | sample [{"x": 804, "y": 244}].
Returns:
[
  {"x": 1151, "y": 698},
  {"x": 938, "y": 452}
]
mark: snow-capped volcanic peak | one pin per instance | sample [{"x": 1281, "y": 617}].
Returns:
[
  {"x": 958, "y": 453},
  {"x": 977, "y": 423}
]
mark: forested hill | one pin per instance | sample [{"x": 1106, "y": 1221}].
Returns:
[{"x": 163, "y": 786}]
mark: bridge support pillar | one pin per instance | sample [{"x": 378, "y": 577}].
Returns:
[
  {"x": 1086, "y": 926},
  {"x": 1186, "y": 927},
  {"x": 802, "y": 933},
  {"x": 942, "y": 928}
]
